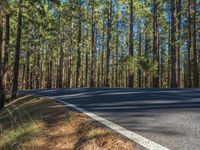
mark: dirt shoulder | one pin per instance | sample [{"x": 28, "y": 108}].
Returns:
[{"x": 38, "y": 123}]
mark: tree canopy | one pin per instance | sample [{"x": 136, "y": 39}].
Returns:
[{"x": 98, "y": 43}]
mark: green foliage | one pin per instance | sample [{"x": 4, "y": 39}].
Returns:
[
  {"x": 49, "y": 26},
  {"x": 147, "y": 64},
  {"x": 22, "y": 134}
]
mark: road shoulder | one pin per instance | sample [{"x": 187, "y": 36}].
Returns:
[{"x": 39, "y": 123}]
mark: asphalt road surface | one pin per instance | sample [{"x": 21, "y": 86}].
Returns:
[{"x": 169, "y": 117}]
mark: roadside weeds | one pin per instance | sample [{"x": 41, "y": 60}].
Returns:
[{"x": 38, "y": 123}]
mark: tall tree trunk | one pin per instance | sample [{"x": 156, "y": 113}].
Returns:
[
  {"x": 116, "y": 55},
  {"x": 130, "y": 73},
  {"x": 98, "y": 75},
  {"x": 61, "y": 65},
  {"x": 179, "y": 12},
  {"x": 78, "y": 64},
  {"x": 34, "y": 70},
  {"x": 82, "y": 62},
  {"x": 195, "y": 68},
  {"x": 70, "y": 65},
  {"x": 92, "y": 48},
  {"x": 27, "y": 78},
  {"x": 155, "y": 44},
  {"x": 69, "y": 81},
  {"x": 49, "y": 69},
  {"x": 41, "y": 71},
  {"x": 61, "y": 58},
  {"x": 1, "y": 38},
  {"x": 139, "y": 55},
  {"x": 86, "y": 60},
  {"x": 86, "y": 68},
  {"x": 102, "y": 58},
  {"x": 107, "y": 84},
  {"x": 169, "y": 54},
  {"x": 6, "y": 52},
  {"x": 162, "y": 65},
  {"x": 46, "y": 71},
  {"x": 50, "y": 74},
  {"x": 1, "y": 45},
  {"x": 38, "y": 69},
  {"x": 147, "y": 41},
  {"x": 17, "y": 53},
  {"x": 185, "y": 75},
  {"x": 189, "y": 40},
  {"x": 113, "y": 70},
  {"x": 173, "y": 44},
  {"x": 31, "y": 78},
  {"x": 23, "y": 76}
]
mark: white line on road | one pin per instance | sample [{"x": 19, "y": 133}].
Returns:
[{"x": 142, "y": 141}]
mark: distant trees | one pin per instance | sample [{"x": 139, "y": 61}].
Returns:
[{"x": 99, "y": 43}]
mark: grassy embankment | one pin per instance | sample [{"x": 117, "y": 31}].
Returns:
[{"x": 38, "y": 123}]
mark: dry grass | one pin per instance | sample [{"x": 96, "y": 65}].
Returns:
[{"x": 38, "y": 123}]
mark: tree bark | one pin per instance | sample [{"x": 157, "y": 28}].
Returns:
[
  {"x": 173, "y": 45},
  {"x": 50, "y": 73},
  {"x": 102, "y": 58},
  {"x": 139, "y": 55},
  {"x": 86, "y": 68},
  {"x": 107, "y": 83},
  {"x": 169, "y": 54},
  {"x": 162, "y": 65},
  {"x": 78, "y": 65},
  {"x": 38, "y": 69},
  {"x": 1, "y": 45},
  {"x": 189, "y": 45},
  {"x": 69, "y": 79},
  {"x": 31, "y": 78},
  {"x": 27, "y": 78},
  {"x": 17, "y": 53},
  {"x": 1, "y": 38},
  {"x": 179, "y": 16},
  {"x": 116, "y": 55},
  {"x": 147, "y": 47},
  {"x": 195, "y": 68},
  {"x": 130, "y": 74},
  {"x": 155, "y": 44},
  {"x": 23, "y": 76},
  {"x": 92, "y": 48}
]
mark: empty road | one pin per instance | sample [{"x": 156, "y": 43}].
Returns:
[{"x": 169, "y": 117}]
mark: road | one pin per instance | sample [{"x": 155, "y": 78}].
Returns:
[{"x": 169, "y": 117}]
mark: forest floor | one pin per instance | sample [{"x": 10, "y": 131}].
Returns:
[{"x": 37, "y": 123}]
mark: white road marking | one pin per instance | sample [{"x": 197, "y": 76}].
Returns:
[{"x": 142, "y": 141}]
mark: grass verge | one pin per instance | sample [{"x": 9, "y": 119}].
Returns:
[{"x": 38, "y": 123}]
